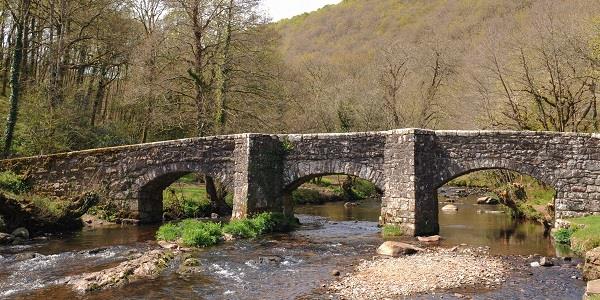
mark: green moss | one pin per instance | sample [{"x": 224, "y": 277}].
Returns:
[{"x": 392, "y": 230}]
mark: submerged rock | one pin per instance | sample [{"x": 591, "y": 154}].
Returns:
[
  {"x": 26, "y": 256},
  {"x": 591, "y": 268},
  {"x": 391, "y": 248},
  {"x": 21, "y": 232},
  {"x": 148, "y": 265},
  {"x": 350, "y": 204},
  {"x": 450, "y": 207}
]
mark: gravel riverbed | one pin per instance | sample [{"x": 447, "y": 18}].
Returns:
[{"x": 434, "y": 269}]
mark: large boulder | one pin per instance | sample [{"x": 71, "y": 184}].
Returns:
[
  {"x": 591, "y": 268},
  {"x": 21, "y": 232},
  {"x": 391, "y": 248}
]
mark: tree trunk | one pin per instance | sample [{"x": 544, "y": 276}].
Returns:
[
  {"x": 216, "y": 193},
  {"x": 11, "y": 121}
]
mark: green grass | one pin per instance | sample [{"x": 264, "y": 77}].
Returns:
[
  {"x": 563, "y": 235},
  {"x": 186, "y": 201},
  {"x": 169, "y": 232},
  {"x": 587, "y": 234},
  {"x": 200, "y": 234},
  {"x": 392, "y": 230},
  {"x": 11, "y": 182},
  {"x": 195, "y": 233}
]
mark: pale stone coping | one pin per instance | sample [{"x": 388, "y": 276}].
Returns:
[{"x": 324, "y": 136}]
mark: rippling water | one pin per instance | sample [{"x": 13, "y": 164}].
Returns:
[{"x": 286, "y": 266}]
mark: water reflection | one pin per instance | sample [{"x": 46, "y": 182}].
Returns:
[{"x": 472, "y": 224}]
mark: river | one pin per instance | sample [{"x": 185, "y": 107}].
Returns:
[{"x": 282, "y": 266}]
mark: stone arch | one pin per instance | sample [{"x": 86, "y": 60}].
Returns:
[
  {"x": 147, "y": 188},
  {"x": 455, "y": 170},
  {"x": 302, "y": 172}
]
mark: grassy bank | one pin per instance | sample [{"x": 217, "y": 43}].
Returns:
[
  {"x": 526, "y": 196},
  {"x": 331, "y": 188},
  {"x": 187, "y": 198},
  {"x": 583, "y": 234},
  {"x": 195, "y": 233}
]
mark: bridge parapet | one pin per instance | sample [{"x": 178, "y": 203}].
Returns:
[{"x": 408, "y": 165}]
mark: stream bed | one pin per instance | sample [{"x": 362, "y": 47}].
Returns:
[{"x": 285, "y": 266}]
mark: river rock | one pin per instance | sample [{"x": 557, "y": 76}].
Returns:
[
  {"x": 149, "y": 265},
  {"x": 21, "y": 232},
  {"x": 487, "y": 201},
  {"x": 450, "y": 207},
  {"x": 546, "y": 262},
  {"x": 6, "y": 238},
  {"x": 167, "y": 245},
  {"x": 26, "y": 256},
  {"x": 335, "y": 273},
  {"x": 214, "y": 216},
  {"x": 535, "y": 264},
  {"x": 429, "y": 239},
  {"x": 391, "y": 248},
  {"x": 593, "y": 289},
  {"x": 591, "y": 268},
  {"x": 350, "y": 204}
]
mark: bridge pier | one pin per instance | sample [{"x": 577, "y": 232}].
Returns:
[
  {"x": 258, "y": 178},
  {"x": 409, "y": 200}
]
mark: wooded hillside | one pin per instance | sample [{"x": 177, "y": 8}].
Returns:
[{"x": 77, "y": 74}]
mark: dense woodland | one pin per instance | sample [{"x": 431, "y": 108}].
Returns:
[{"x": 79, "y": 74}]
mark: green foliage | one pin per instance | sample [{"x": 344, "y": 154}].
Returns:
[
  {"x": 286, "y": 145},
  {"x": 11, "y": 182},
  {"x": 241, "y": 228},
  {"x": 364, "y": 189},
  {"x": 392, "y": 230},
  {"x": 307, "y": 196},
  {"x": 168, "y": 232},
  {"x": 587, "y": 235},
  {"x": 200, "y": 234},
  {"x": 107, "y": 210},
  {"x": 192, "y": 232},
  {"x": 563, "y": 235},
  {"x": 186, "y": 201},
  {"x": 260, "y": 224}
]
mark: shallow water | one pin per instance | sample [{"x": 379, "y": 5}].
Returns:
[
  {"x": 284, "y": 266},
  {"x": 472, "y": 224}
]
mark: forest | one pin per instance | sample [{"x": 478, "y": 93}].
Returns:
[{"x": 79, "y": 74}]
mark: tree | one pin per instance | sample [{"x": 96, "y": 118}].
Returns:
[{"x": 19, "y": 15}]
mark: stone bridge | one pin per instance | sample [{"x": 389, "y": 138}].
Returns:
[{"x": 262, "y": 170}]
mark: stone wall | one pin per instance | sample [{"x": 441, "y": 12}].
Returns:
[{"x": 409, "y": 165}]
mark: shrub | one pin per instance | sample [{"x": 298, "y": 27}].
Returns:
[
  {"x": 241, "y": 228},
  {"x": 364, "y": 189},
  {"x": 304, "y": 196},
  {"x": 168, "y": 232},
  {"x": 563, "y": 235},
  {"x": 200, "y": 234},
  {"x": 392, "y": 230},
  {"x": 11, "y": 182}
]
